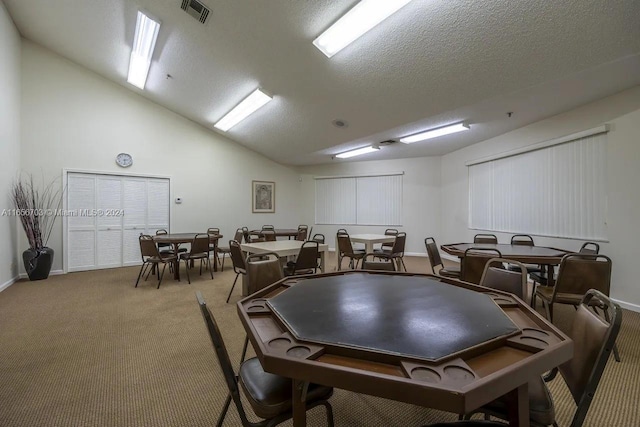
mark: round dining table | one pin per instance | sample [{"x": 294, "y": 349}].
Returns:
[
  {"x": 176, "y": 239},
  {"x": 541, "y": 255}
]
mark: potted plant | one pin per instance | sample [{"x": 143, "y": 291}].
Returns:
[{"x": 37, "y": 210}]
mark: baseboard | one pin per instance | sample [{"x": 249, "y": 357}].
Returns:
[
  {"x": 627, "y": 305},
  {"x": 51, "y": 273},
  {"x": 418, "y": 254},
  {"x": 8, "y": 283}
]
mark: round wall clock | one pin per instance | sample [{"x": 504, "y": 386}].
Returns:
[{"x": 124, "y": 160}]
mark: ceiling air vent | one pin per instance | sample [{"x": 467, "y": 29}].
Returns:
[{"x": 196, "y": 9}]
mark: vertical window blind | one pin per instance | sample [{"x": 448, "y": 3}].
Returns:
[
  {"x": 558, "y": 191},
  {"x": 362, "y": 200}
]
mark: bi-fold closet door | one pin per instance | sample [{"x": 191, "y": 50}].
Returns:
[{"x": 107, "y": 213}]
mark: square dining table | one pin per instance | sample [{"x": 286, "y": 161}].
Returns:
[
  {"x": 283, "y": 248},
  {"x": 370, "y": 239}
]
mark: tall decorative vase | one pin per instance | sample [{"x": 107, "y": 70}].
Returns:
[{"x": 37, "y": 262}]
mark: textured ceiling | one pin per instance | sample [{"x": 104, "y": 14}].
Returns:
[{"x": 432, "y": 63}]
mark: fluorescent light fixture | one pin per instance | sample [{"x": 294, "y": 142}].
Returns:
[
  {"x": 143, "y": 44},
  {"x": 360, "y": 19},
  {"x": 241, "y": 111},
  {"x": 358, "y": 151},
  {"x": 434, "y": 133}
]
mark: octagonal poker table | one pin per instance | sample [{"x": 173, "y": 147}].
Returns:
[{"x": 416, "y": 338}]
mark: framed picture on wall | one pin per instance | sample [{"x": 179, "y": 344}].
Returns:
[{"x": 264, "y": 196}]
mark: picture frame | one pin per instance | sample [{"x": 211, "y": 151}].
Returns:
[{"x": 263, "y": 196}]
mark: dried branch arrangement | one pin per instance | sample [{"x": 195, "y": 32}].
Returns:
[{"x": 37, "y": 208}]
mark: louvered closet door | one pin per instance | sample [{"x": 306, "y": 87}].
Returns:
[
  {"x": 98, "y": 237},
  {"x": 108, "y": 222},
  {"x": 81, "y": 227},
  {"x": 135, "y": 218}
]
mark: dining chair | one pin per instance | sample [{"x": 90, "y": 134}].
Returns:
[
  {"x": 485, "y": 238},
  {"x": 269, "y": 235},
  {"x": 249, "y": 238},
  {"x": 269, "y": 395},
  {"x": 578, "y": 273},
  {"x": 587, "y": 248},
  {"x": 213, "y": 246},
  {"x": 302, "y": 232},
  {"x": 224, "y": 250},
  {"x": 319, "y": 237},
  {"x": 238, "y": 261},
  {"x": 268, "y": 227},
  {"x": 524, "y": 240},
  {"x": 151, "y": 257},
  {"x": 474, "y": 261},
  {"x": 262, "y": 270},
  {"x": 594, "y": 337},
  {"x": 307, "y": 260},
  {"x": 397, "y": 250},
  {"x": 199, "y": 251},
  {"x": 436, "y": 261},
  {"x": 165, "y": 248},
  {"x": 387, "y": 246},
  {"x": 377, "y": 261},
  {"x": 162, "y": 246},
  {"x": 495, "y": 276},
  {"x": 345, "y": 250}
]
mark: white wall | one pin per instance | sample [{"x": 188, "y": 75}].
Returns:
[
  {"x": 420, "y": 199},
  {"x": 9, "y": 141},
  {"x": 79, "y": 120},
  {"x": 622, "y": 111}
]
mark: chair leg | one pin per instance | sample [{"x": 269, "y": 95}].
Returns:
[
  {"x": 222, "y": 265},
  {"x": 403, "y": 265},
  {"x": 533, "y": 295},
  {"x": 327, "y": 406},
  {"x": 164, "y": 266},
  {"x": 244, "y": 349},
  {"x": 223, "y": 414},
  {"x": 233, "y": 286},
  {"x": 186, "y": 265},
  {"x": 149, "y": 271},
  {"x": 142, "y": 267},
  {"x": 210, "y": 269},
  {"x": 548, "y": 308}
]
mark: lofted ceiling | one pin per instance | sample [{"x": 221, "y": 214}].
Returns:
[{"x": 432, "y": 63}]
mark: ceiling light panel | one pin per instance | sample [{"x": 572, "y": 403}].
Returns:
[
  {"x": 249, "y": 105},
  {"x": 144, "y": 43},
  {"x": 357, "y": 152},
  {"x": 434, "y": 133},
  {"x": 360, "y": 19}
]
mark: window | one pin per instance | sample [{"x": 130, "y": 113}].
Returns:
[
  {"x": 556, "y": 189},
  {"x": 362, "y": 200}
]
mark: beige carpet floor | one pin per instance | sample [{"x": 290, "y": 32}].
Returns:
[{"x": 88, "y": 349}]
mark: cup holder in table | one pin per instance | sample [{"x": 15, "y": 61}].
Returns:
[
  {"x": 453, "y": 372},
  {"x": 258, "y": 305},
  {"x": 287, "y": 345},
  {"x": 533, "y": 340},
  {"x": 502, "y": 300}
]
